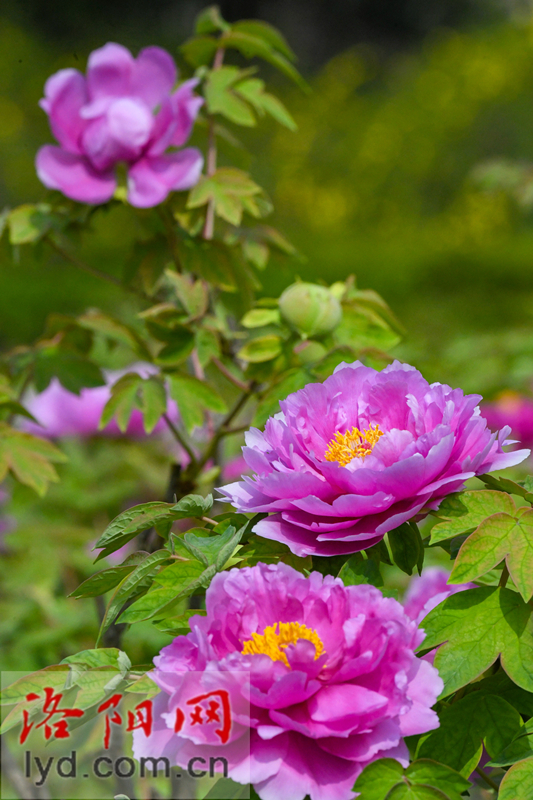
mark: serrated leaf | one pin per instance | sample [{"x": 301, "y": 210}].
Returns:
[
  {"x": 227, "y": 188},
  {"x": 131, "y": 522},
  {"x": 506, "y": 485},
  {"x": 358, "y": 571},
  {"x": 207, "y": 548},
  {"x": 518, "y": 782},
  {"x": 253, "y": 90},
  {"x": 251, "y": 46},
  {"x": 478, "y": 505},
  {"x": 500, "y": 537},
  {"x": 465, "y": 726},
  {"x": 264, "y": 348},
  {"x": 29, "y": 458},
  {"x": 478, "y": 625},
  {"x": 193, "y": 397},
  {"x": 258, "y": 317},
  {"x": 270, "y": 35},
  {"x": 407, "y": 547},
  {"x": 221, "y": 99},
  {"x": 73, "y": 371}
]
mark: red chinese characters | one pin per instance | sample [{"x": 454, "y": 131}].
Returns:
[
  {"x": 212, "y": 707},
  {"x": 50, "y": 708}
]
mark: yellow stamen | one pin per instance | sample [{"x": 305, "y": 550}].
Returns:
[
  {"x": 270, "y": 642},
  {"x": 352, "y": 444}
]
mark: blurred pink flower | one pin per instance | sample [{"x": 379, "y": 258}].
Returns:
[
  {"x": 124, "y": 110},
  {"x": 333, "y": 680},
  {"x": 514, "y": 410},
  {"x": 62, "y": 413}
]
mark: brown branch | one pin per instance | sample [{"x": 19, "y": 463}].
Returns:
[
  {"x": 486, "y": 778},
  {"x": 230, "y": 376},
  {"x": 179, "y": 438}
]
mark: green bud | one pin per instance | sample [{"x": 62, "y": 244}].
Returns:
[{"x": 310, "y": 308}]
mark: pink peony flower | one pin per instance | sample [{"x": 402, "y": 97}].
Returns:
[
  {"x": 426, "y": 591},
  {"x": 124, "y": 110},
  {"x": 62, "y": 413},
  {"x": 333, "y": 680},
  {"x": 350, "y": 459},
  {"x": 514, "y": 410}
]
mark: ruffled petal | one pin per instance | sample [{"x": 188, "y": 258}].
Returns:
[
  {"x": 74, "y": 176},
  {"x": 151, "y": 179},
  {"x": 186, "y": 106},
  {"x": 64, "y": 95}
]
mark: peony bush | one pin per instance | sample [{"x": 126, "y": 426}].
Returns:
[{"x": 276, "y": 623}]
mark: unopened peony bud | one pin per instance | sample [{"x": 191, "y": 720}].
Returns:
[{"x": 310, "y": 308}]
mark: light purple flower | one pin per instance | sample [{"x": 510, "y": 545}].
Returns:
[
  {"x": 334, "y": 682},
  {"x": 61, "y": 413},
  {"x": 124, "y": 110},
  {"x": 350, "y": 459}
]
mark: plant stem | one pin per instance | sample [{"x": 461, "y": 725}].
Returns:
[
  {"x": 179, "y": 438},
  {"x": 487, "y": 780},
  {"x": 171, "y": 236},
  {"x": 211, "y": 161},
  {"x": 229, "y": 375},
  {"x": 504, "y": 577},
  {"x": 96, "y": 273},
  {"x": 222, "y": 429}
]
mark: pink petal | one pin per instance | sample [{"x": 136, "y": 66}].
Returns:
[
  {"x": 154, "y": 75},
  {"x": 130, "y": 122},
  {"x": 186, "y": 107},
  {"x": 109, "y": 71},
  {"x": 73, "y": 175},
  {"x": 151, "y": 179},
  {"x": 65, "y": 93}
]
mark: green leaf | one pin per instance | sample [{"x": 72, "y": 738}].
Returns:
[
  {"x": 153, "y": 402},
  {"x": 177, "y": 626},
  {"x": 192, "y": 505},
  {"x": 440, "y": 776},
  {"x": 251, "y": 46},
  {"x": 405, "y": 791},
  {"x": 465, "y": 726},
  {"x": 519, "y": 748},
  {"x": 131, "y": 522},
  {"x": 221, "y": 99},
  {"x": 407, "y": 547},
  {"x": 200, "y": 50},
  {"x": 193, "y": 295},
  {"x": 54, "y": 676},
  {"x": 270, "y": 35},
  {"x": 257, "y": 253},
  {"x": 193, "y": 397},
  {"x": 478, "y": 505},
  {"x": 95, "y": 320},
  {"x": 101, "y": 657},
  {"x": 28, "y": 458},
  {"x": 499, "y": 537},
  {"x": 253, "y": 90},
  {"x": 102, "y": 582},
  {"x": 264, "y": 348},
  {"x": 506, "y": 485},
  {"x": 269, "y": 552},
  {"x": 378, "y": 779},
  {"x": 227, "y": 188},
  {"x": 518, "y": 782},
  {"x": 258, "y": 317},
  {"x": 73, "y": 371},
  {"x": 501, "y": 685},
  {"x": 123, "y": 399},
  {"x": 207, "y": 548},
  {"x": 478, "y": 625},
  {"x": 179, "y": 347},
  {"x": 180, "y": 580},
  {"x": 210, "y": 20},
  {"x": 29, "y": 223},
  {"x": 358, "y": 570},
  {"x": 207, "y": 345}
]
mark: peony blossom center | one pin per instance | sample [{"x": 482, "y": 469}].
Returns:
[
  {"x": 352, "y": 444},
  {"x": 272, "y": 643}
]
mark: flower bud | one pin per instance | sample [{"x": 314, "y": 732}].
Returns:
[{"x": 310, "y": 308}]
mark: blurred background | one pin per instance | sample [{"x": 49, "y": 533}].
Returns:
[{"x": 382, "y": 179}]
